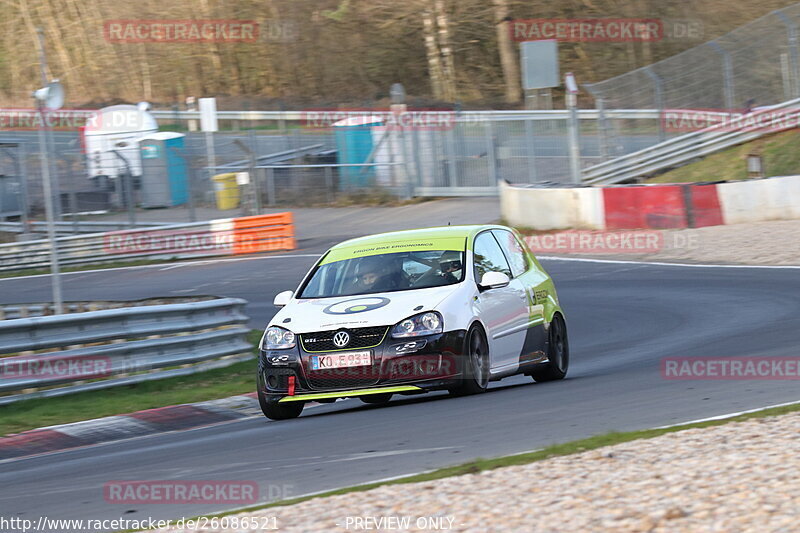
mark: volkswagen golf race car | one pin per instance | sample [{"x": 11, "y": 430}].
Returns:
[{"x": 449, "y": 308}]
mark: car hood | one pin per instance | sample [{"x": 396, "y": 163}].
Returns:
[{"x": 380, "y": 309}]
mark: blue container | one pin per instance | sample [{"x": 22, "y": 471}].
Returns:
[
  {"x": 354, "y": 145},
  {"x": 164, "y": 176}
]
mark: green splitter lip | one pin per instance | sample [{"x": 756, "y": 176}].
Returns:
[{"x": 349, "y": 393}]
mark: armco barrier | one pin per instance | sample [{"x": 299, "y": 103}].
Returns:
[
  {"x": 671, "y": 206},
  {"x": 231, "y": 236},
  {"x": 118, "y": 346}
]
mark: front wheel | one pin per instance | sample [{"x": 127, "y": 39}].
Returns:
[
  {"x": 274, "y": 410},
  {"x": 557, "y": 353},
  {"x": 475, "y": 376}
]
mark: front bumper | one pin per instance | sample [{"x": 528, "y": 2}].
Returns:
[{"x": 402, "y": 366}]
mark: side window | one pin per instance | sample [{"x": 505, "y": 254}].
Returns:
[
  {"x": 514, "y": 252},
  {"x": 489, "y": 257}
]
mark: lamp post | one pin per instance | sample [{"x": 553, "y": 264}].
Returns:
[{"x": 48, "y": 98}]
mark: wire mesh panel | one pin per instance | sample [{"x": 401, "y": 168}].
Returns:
[{"x": 756, "y": 64}]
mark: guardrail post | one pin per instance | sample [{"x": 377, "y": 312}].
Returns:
[
  {"x": 794, "y": 56},
  {"x": 658, "y": 88},
  {"x": 727, "y": 71}
]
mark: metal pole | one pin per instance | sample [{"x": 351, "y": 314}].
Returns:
[
  {"x": 491, "y": 156},
  {"x": 727, "y": 72},
  {"x": 46, "y": 138},
  {"x": 55, "y": 272},
  {"x": 601, "y": 117},
  {"x": 794, "y": 55},
  {"x": 574, "y": 140},
  {"x": 529, "y": 137},
  {"x": 128, "y": 188},
  {"x": 271, "y": 186},
  {"x": 659, "y": 94}
]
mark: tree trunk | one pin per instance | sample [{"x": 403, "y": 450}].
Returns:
[
  {"x": 508, "y": 59},
  {"x": 434, "y": 61}
]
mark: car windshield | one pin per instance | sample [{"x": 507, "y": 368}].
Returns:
[{"x": 391, "y": 272}]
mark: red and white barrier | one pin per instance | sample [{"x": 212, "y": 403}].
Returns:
[{"x": 669, "y": 206}]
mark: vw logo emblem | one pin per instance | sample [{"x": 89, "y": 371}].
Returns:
[{"x": 341, "y": 339}]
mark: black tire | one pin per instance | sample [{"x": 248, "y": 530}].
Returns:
[
  {"x": 376, "y": 398},
  {"x": 475, "y": 378},
  {"x": 279, "y": 411},
  {"x": 557, "y": 353}
]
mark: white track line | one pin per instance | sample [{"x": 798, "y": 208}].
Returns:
[
  {"x": 729, "y": 415},
  {"x": 656, "y": 263}
]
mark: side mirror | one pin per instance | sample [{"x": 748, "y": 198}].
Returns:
[
  {"x": 282, "y": 298},
  {"x": 494, "y": 280}
]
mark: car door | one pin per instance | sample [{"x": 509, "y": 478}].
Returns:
[
  {"x": 502, "y": 310},
  {"x": 531, "y": 286}
]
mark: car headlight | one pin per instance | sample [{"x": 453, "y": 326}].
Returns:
[
  {"x": 428, "y": 323},
  {"x": 276, "y": 338}
]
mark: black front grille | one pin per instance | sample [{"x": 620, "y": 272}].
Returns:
[
  {"x": 322, "y": 341},
  {"x": 331, "y": 380}
]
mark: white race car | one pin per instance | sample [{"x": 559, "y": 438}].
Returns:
[{"x": 412, "y": 311}]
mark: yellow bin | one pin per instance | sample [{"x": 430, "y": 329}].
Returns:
[{"x": 226, "y": 190}]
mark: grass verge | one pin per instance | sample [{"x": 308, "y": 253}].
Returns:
[
  {"x": 779, "y": 155},
  {"x": 236, "y": 379}
]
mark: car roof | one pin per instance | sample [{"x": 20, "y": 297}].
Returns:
[{"x": 428, "y": 234}]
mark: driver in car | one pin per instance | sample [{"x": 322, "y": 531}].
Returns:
[{"x": 376, "y": 276}]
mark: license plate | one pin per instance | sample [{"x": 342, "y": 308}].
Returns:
[{"x": 341, "y": 360}]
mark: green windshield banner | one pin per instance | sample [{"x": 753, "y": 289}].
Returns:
[{"x": 417, "y": 245}]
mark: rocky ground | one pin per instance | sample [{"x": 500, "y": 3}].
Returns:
[{"x": 732, "y": 478}]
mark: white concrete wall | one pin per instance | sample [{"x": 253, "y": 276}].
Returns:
[
  {"x": 759, "y": 200},
  {"x": 546, "y": 209}
]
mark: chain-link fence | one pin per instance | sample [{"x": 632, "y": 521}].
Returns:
[
  {"x": 298, "y": 165},
  {"x": 754, "y": 65}
]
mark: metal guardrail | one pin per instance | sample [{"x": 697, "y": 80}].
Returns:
[
  {"x": 103, "y": 348},
  {"x": 82, "y": 226},
  {"x": 460, "y": 116},
  {"x": 197, "y": 239},
  {"x": 681, "y": 149}
]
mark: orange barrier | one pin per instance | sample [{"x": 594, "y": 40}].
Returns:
[{"x": 263, "y": 233}]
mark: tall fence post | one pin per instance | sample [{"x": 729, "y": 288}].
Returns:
[
  {"x": 533, "y": 176},
  {"x": 573, "y": 129},
  {"x": 794, "y": 56},
  {"x": 727, "y": 73},
  {"x": 491, "y": 154},
  {"x": 658, "y": 89}
]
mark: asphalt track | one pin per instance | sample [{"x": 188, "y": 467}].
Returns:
[{"x": 623, "y": 319}]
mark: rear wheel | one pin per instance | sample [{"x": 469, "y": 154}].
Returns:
[
  {"x": 376, "y": 398},
  {"x": 274, "y": 410},
  {"x": 475, "y": 377},
  {"x": 557, "y": 353}
]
